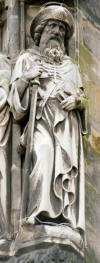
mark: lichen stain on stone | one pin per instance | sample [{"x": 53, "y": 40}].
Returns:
[
  {"x": 87, "y": 65},
  {"x": 91, "y": 79},
  {"x": 96, "y": 140},
  {"x": 90, "y": 257}
]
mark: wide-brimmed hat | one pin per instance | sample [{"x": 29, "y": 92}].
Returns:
[{"x": 55, "y": 11}]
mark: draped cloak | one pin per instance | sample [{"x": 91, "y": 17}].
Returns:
[{"x": 56, "y": 182}]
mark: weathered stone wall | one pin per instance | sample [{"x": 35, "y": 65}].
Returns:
[
  {"x": 92, "y": 10},
  {"x": 90, "y": 67}
]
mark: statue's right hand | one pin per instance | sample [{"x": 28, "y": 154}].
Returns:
[{"x": 33, "y": 72}]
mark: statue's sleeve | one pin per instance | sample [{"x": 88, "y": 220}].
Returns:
[
  {"x": 19, "y": 104},
  {"x": 5, "y": 76},
  {"x": 83, "y": 112},
  {"x": 77, "y": 77}
]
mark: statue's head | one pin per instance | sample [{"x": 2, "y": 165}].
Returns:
[{"x": 52, "y": 27}]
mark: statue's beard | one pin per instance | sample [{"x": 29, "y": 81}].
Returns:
[{"x": 54, "y": 55}]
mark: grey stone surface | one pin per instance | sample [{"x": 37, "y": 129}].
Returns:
[
  {"x": 13, "y": 28},
  {"x": 51, "y": 254},
  {"x": 91, "y": 38},
  {"x": 92, "y": 164},
  {"x": 92, "y": 9}
]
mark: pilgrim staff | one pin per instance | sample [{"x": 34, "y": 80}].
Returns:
[{"x": 29, "y": 145}]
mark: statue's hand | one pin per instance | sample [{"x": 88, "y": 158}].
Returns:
[
  {"x": 3, "y": 98},
  {"x": 74, "y": 102},
  {"x": 69, "y": 103},
  {"x": 33, "y": 72},
  {"x": 81, "y": 102}
]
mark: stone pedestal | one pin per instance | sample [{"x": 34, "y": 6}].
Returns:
[
  {"x": 32, "y": 236},
  {"x": 44, "y": 244}
]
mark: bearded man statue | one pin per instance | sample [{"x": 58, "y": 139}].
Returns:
[{"x": 56, "y": 181}]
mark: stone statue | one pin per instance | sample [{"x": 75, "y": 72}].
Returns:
[
  {"x": 5, "y": 125},
  {"x": 55, "y": 185}
]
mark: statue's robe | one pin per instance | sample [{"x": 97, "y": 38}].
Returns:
[
  {"x": 5, "y": 127},
  {"x": 56, "y": 182}
]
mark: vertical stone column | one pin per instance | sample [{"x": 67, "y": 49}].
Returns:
[
  {"x": 13, "y": 28},
  {"x": 0, "y": 37},
  {"x": 1, "y": 28},
  {"x": 13, "y": 51},
  {"x": 22, "y": 24}
]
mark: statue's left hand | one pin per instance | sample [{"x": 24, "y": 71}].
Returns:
[
  {"x": 74, "y": 102},
  {"x": 69, "y": 103}
]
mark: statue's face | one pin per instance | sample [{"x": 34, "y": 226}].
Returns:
[{"x": 53, "y": 35}]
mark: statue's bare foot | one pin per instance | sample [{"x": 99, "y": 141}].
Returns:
[{"x": 28, "y": 220}]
